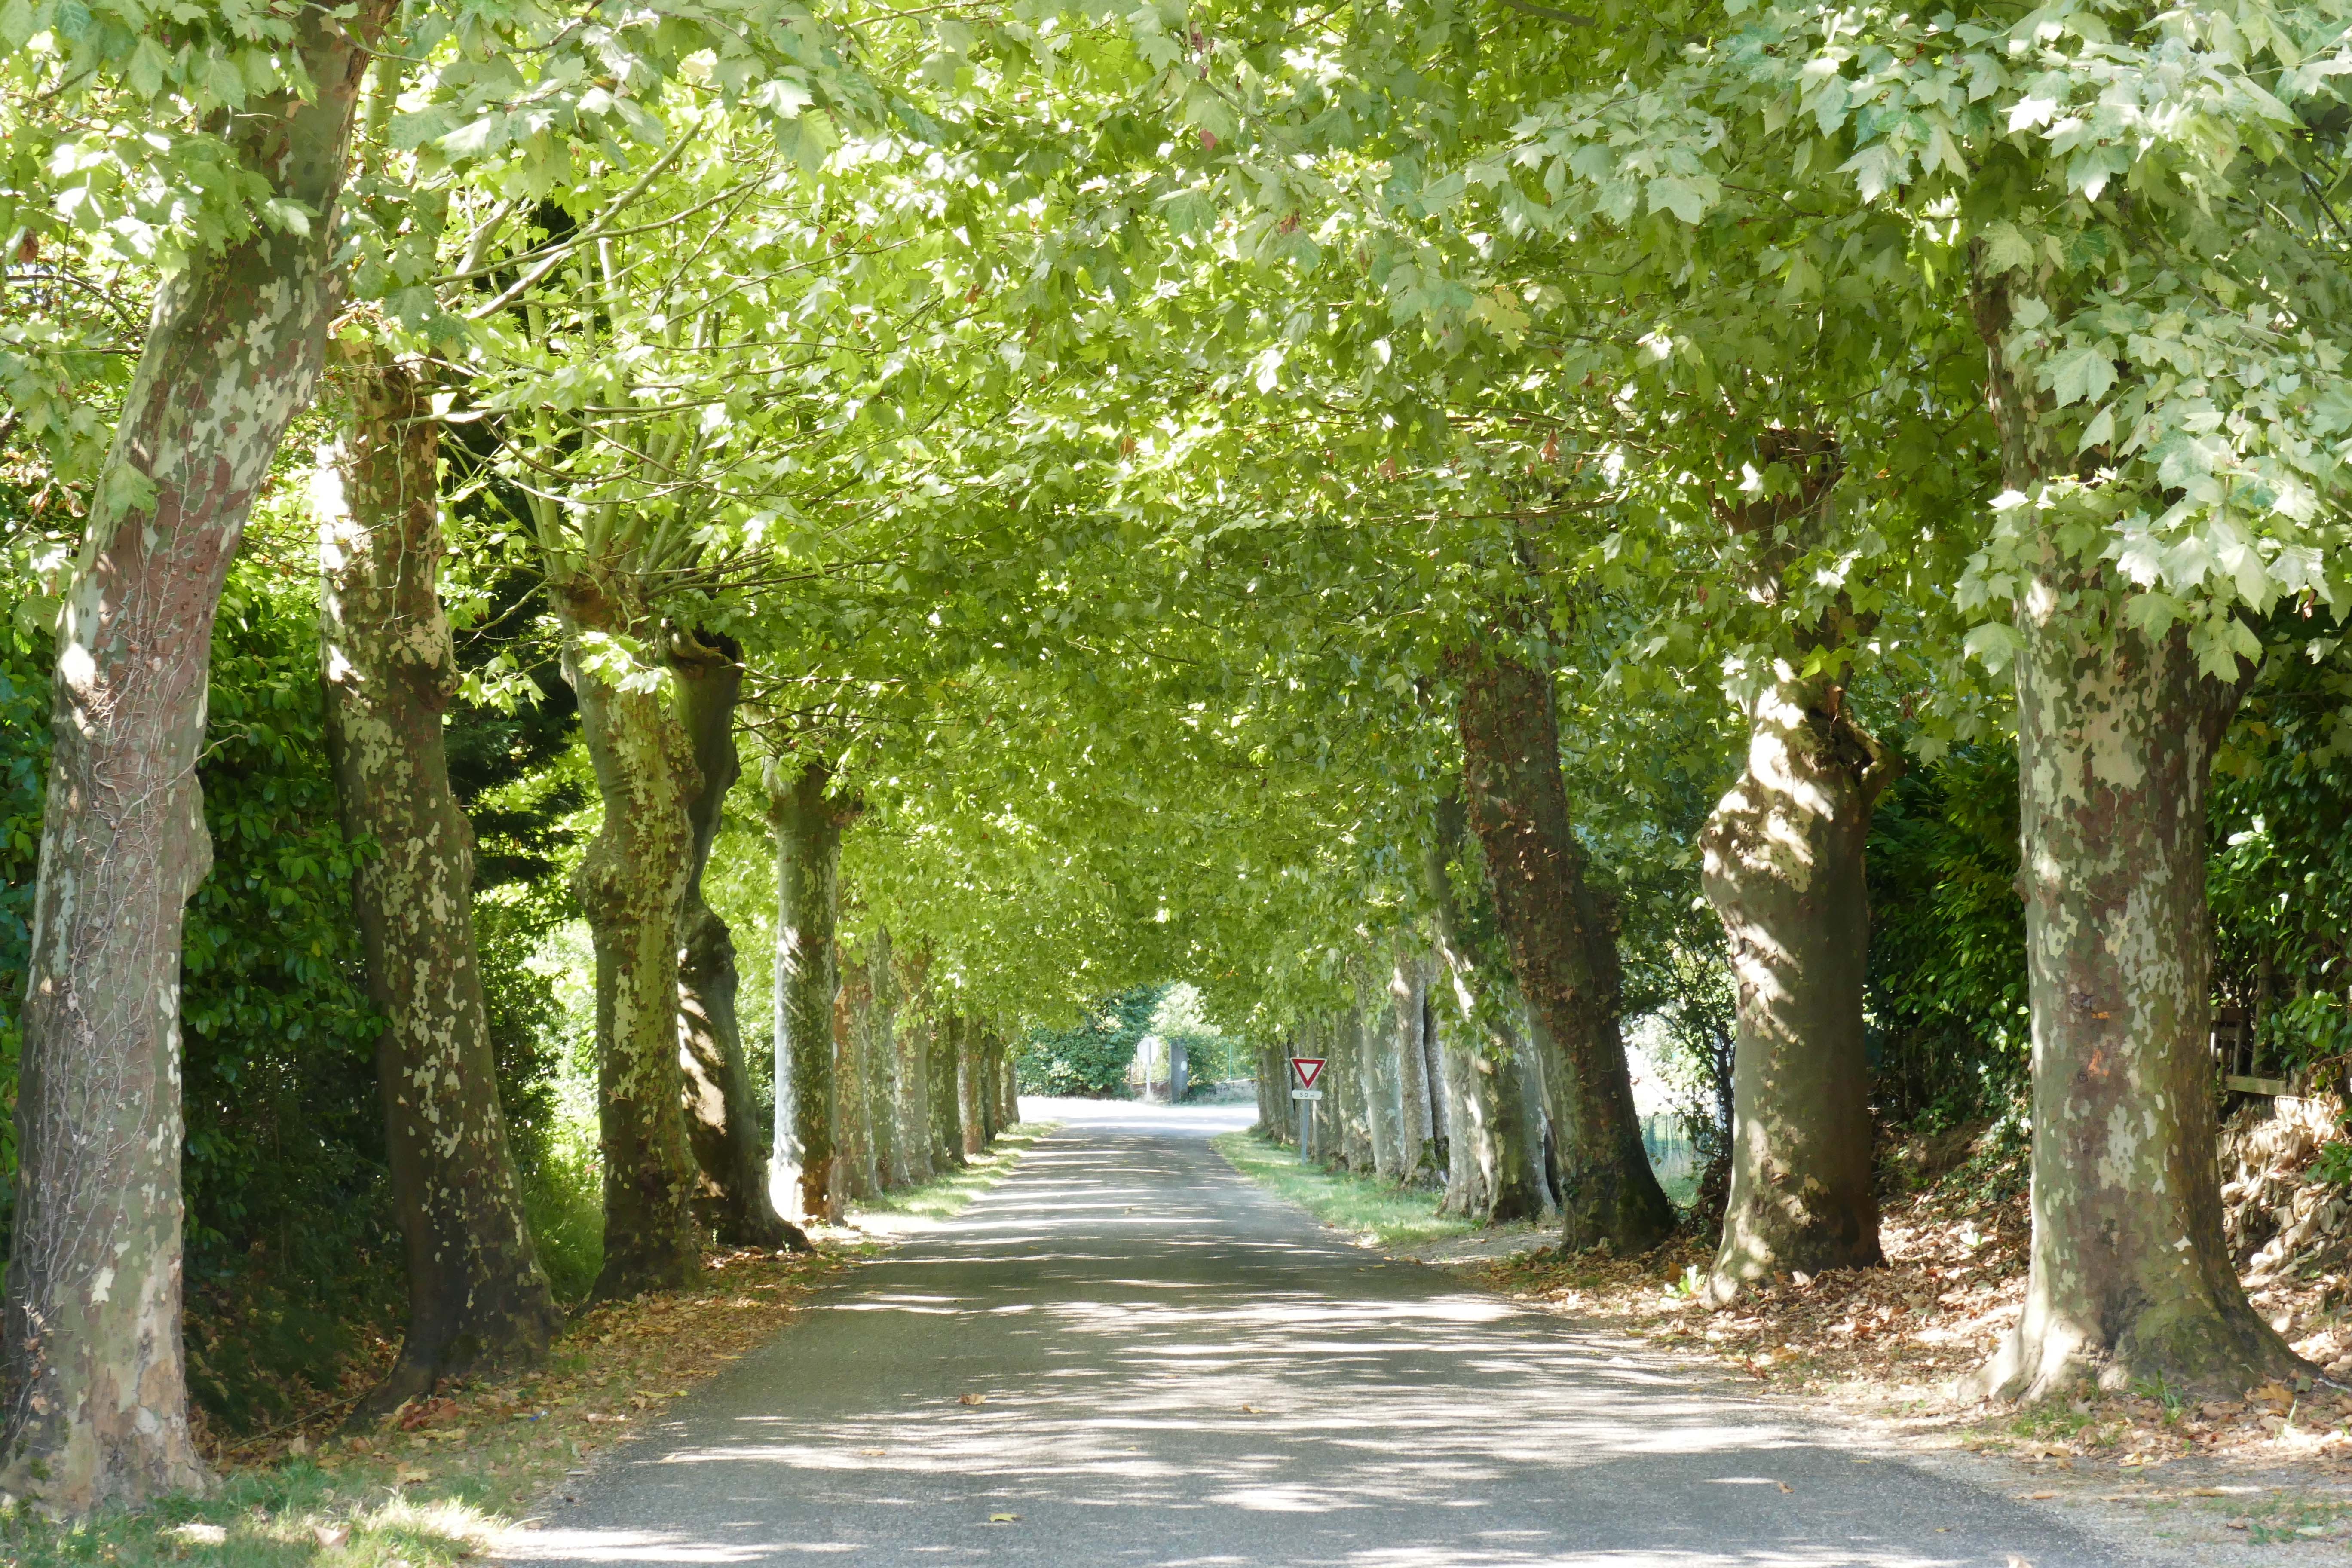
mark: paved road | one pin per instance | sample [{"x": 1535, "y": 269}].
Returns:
[{"x": 1177, "y": 1369}]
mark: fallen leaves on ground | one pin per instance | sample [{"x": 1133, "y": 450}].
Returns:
[{"x": 1893, "y": 1342}]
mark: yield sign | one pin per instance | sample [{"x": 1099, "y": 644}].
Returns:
[{"x": 1307, "y": 1069}]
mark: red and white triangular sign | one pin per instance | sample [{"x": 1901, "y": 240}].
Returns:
[{"x": 1307, "y": 1069}]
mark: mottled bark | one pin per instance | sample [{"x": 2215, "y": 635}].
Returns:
[
  {"x": 97, "y": 1390},
  {"x": 476, "y": 1295},
  {"x": 852, "y": 1012},
  {"x": 2130, "y": 1280},
  {"x": 632, "y": 886},
  {"x": 1417, "y": 1124},
  {"x": 1783, "y": 868},
  {"x": 2129, "y": 1276},
  {"x": 1383, "y": 1110},
  {"x": 1470, "y": 1164},
  {"x": 1500, "y": 1120},
  {"x": 808, "y": 821},
  {"x": 723, "y": 1118},
  {"x": 913, "y": 1042},
  {"x": 1563, "y": 953},
  {"x": 879, "y": 1041},
  {"x": 947, "y": 1107}
]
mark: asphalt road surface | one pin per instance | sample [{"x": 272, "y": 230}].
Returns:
[{"x": 1174, "y": 1368}]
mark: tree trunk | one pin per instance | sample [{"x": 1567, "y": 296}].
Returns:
[
  {"x": 722, "y": 1120},
  {"x": 916, "y": 1075},
  {"x": 632, "y": 888},
  {"x": 986, "y": 1095},
  {"x": 883, "y": 1090},
  {"x": 1432, "y": 1066},
  {"x": 947, "y": 1106},
  {"x": 476, "y": 1295},
  {"x": 1469, "y": 1135},
  {"x": 970, "y": 1131},
  {"x": 2129, "y": 1276},
  {"x": 852, "y": 1012},
  {"x": 1416, "y": 1127},
  {"x": 1352, "y": 1133},
  {"x": 1384, "y": 1052},
  {"x": 2130, "y": 1280},
  {"x": 1008, "y": 1088},
  {"x": 1267, "y": 1125},
  {"x": 95, "y": 1379},
  {"x": 1563, "y": 953},
  {"x": 1505, "y": 1120},
  {"x": 1783, "y": 869},
  {"x": 914, "y": 1038},
  {"x": 808, "y": 825}
]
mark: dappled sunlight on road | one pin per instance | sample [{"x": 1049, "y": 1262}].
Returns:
[{"x": 1141, "y": 1359}]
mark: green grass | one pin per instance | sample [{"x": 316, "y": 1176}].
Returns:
[
  {"x": 1374, "y": 1212},
  {"x": 945, "y": 1198},
  {"x": 295, "y": 1515}
]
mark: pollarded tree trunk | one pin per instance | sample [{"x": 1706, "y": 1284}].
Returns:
[
  {"x": 1562, "y": 950},
  {"x": 946, "y": 1105},
  {"x": 476, "y": 1295},
  {"x": 808, "y": 823},
  {"x": 1417, "y": 1126},
  {"x": 722, "y": 1118},
  {"x": 2130, "y": 1279},
  {"x": 96, "y": 1381},
  {"x": 1502, "y": 1119},
  {"x": 632, "y": 887},
  {"x": 1783, "y": 869}
]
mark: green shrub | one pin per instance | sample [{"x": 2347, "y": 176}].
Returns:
[{"x": 1091, "y": 1059}]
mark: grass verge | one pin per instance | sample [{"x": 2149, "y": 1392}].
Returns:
[
  {"x": 947, "y": 1196},
  {"x": 1374, "y": 1212}
]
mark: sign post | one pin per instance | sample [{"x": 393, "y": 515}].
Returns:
[{"x": 1304, "y": 1073}]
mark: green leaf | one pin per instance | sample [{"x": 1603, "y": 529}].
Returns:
[
  {"x": 1687, "y": 199},
  {"x": 2006, "y": 248},
  {"x": 2079, "y": 375}
]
